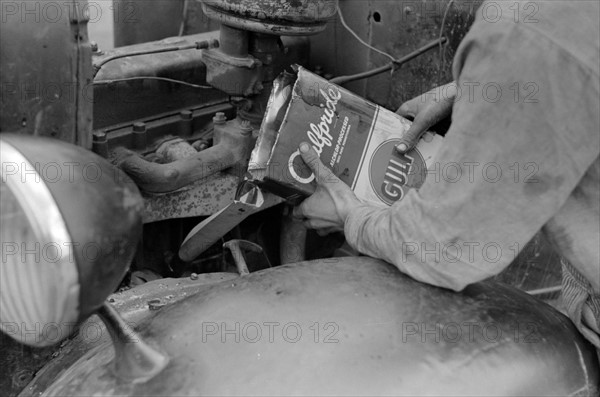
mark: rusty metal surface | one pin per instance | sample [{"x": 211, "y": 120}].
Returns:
[
  {"x": 202, "y": 198},
  {"x": 134, "y": 306},
  {"x": 413, "y": 24},
  {"x": 45, "y": 70},
  {"x": 397, "y": 27},
  {"x": 281, "y": 17},
  {"x": 153, "y": 109},
  {"x": 336, "y": 323}
]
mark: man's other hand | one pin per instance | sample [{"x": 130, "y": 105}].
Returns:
[
  {"x": 427, "y": 110},
  {"x": 327, "y": 209}
]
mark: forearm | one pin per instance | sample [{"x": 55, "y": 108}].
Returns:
[{"x": 424, "y": 247}]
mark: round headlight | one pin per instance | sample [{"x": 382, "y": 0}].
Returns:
[{"x": 69, "y": 225}]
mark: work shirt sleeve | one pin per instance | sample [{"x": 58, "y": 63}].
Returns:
[{"x": 517, "y": 147}]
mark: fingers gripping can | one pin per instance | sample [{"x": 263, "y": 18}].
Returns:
[{"x": 355, "y": 138}]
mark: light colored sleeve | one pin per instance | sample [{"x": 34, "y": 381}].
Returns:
[{"x": 517, "y": 147}]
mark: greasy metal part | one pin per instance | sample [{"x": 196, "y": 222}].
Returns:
[
  {"x": 373, "y": 323},
  {"x": 235, "y": 76},
  {"x": 143, "y": 137},
  {"x": 202, "y": 198},
  {"x": 135, "y": 360},
  {"x": 292, "y": 243},
  {"x": 235, "y": 41},
  {"x": 270, "y": 50},
  {"x": 120, "y": 106},
  {"x": 45, "y": 70},
  {"x": 132, "y": 306},
  {"x": 231, "y": 68},
  {"x": 124, "y": 102},
  {"x": 291, "y": 18},
  {"x": 232, "y": 145},
  {"x": 247, "y": 62},
  {"x": 175, "y": 149}
]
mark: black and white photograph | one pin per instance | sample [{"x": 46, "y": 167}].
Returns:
[{"x": 299, "y": 198}]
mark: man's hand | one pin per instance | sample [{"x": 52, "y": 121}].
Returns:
[
  {"x": 327, "y": 209},
  {"x": 427, "y": 110}
]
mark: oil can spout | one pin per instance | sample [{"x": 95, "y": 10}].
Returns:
[{"x": 134, "y": 360}]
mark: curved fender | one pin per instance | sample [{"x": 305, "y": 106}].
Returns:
[{"x": 352, "y": 326}]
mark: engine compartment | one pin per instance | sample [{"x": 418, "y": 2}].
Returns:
[{"x": 177, "y": 106}]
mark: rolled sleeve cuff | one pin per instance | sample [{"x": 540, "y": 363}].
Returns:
[{"x": 355, "y": 222}]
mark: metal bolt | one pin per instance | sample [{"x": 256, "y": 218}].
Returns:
[
  {"x": 246, "y": 127},
  {"x": 99, "y": 137},
  {"x": 100, "y": 143},
  {"x": 220, "y": 118},
  {"x": 186, "y": 114},
  {"x": 185, "y": 126},
  {"x": 139, "y": 127},
  {"x": 139, "y": 135}
]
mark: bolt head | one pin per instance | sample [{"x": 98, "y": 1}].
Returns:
[
  {"x": 99, "y": 136},
  {"x": 186, "y": 114},
  {"x": 219, "y": 118},
  {"x": 139, "y": 127}
]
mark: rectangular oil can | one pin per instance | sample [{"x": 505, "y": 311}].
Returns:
[{"x": 355, "y": 138}]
